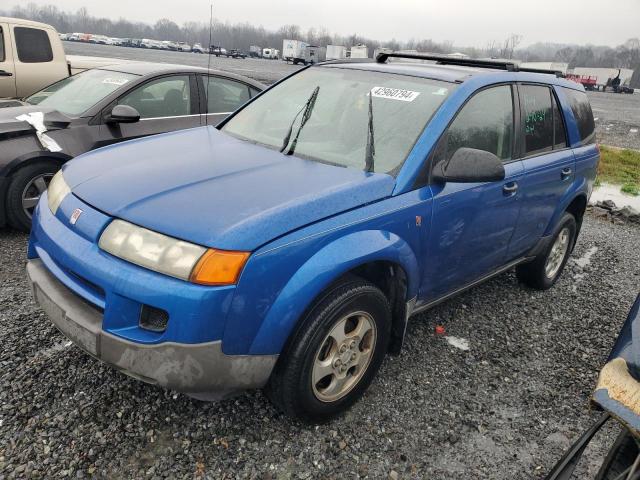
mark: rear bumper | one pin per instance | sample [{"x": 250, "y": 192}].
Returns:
[{"x": 200, "y": 369}]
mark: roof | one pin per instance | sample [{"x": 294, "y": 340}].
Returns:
[
  {"x": 26, "y": 23},
  {"x": 148, "y": 68},
  {"x": 446, "y": 73}
]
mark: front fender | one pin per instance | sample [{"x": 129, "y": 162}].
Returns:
[{"x": 324, "y": 267}]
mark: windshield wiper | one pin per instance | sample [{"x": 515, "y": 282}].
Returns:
[
  {"x": 371, "y": 147},
  {"x": 306, "y": 111}
]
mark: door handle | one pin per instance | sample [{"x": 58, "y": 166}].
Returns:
[
  {"x": 565, "y": 173},
  {"x": 510, "y": 188},
  {"x": 5, "y": 74}
]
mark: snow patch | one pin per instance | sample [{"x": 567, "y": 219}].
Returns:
[
  {"x": 461, "y": 343},
  {"x": 58, "y": 347},
  {"x": 585, "y": 259}
]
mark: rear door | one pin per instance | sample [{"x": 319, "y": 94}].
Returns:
[
  {"x": 222, "y": 96},
  {"x": 473, "y": 223},
  {"x": 7, "y": 69},
  {"x": 165, "y": 104},
  {"x": 548, "y": 162}
]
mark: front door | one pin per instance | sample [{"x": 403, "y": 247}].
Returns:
[
  {"x": 473, "y": 223},
  {"x": 7, "y": 68},
  {"x": 165, "y": 104}
]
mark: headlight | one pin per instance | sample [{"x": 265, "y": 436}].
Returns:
[
  {"x": 57, "y": 190},
  {"x": 171, "y": 256}
]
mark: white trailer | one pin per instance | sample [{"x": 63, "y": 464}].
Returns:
[
  {"x": 270, "y": 53},
  {"x": 336, "y": 52},
  {"x": 359, "y": 51},
  {"x": 297, "y": 51}
]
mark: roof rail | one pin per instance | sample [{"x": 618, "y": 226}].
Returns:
[
  {"x": 467, "y": 62},
  {"x": 382, "y": 57}
]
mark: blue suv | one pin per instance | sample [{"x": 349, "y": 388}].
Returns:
[{"x": 287, "y": 247}]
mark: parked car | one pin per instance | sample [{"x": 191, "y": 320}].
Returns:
[
  {"x": 616, "y": 393},
  {"x": 197, "y": 48},
  {"x": 287, "y": 247},
  {"x": 184, "y": 47},
  {"x": 234, "y": 53},
  {"x": 100, "y": 107},
  {"x": 217, "y": 51}
]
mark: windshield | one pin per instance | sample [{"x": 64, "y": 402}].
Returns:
[
  {"x": 75, "y": 95},
  {"x": 345, "y": 126}
]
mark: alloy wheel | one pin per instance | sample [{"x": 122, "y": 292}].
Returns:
[
  {"x": 32, "y": 192},
  {"x": 344, "y": 356}
]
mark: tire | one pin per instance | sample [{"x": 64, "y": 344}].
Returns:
[
  {"x": 295, "y": 390},
  {"x": 21, "y": 183},
  {"x": 536, "y": 274},
  {"x": 621, "y": 456}
]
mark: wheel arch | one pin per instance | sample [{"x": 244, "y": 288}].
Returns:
[
  {"x": 30, "y": 157},
  {"x": 381, "y": 257}
]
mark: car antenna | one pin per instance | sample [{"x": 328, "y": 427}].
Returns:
[{"x": 206, "y": 107}]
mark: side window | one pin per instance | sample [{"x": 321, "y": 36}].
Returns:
[
  {"x": 2, "y": 57},
  {"x": 164, "y": 97},
  {"x": 32, "y": 45},
  {"x": 559, "y": 133},
  {"x": 581, "y": 108},
  {"x": 484, "y": 123},
  {"x": 253, "y": 91},
  {"x": 537, "y": 114},
  {"x": 225, "y": 96}
]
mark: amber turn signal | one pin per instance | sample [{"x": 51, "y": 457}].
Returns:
[{"x": 219, "y": 267}]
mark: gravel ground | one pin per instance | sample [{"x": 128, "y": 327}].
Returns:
[
  {"x": 505, "y": 409},
  {"x": 617, "y": 118}
]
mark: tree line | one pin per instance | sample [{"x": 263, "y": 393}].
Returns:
[{"x": 243, "y": 35}]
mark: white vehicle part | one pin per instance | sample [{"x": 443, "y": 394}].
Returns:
[{"x": 36, "y": 120}]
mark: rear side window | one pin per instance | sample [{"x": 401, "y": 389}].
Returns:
[
  {"x": 484, "y": 123},
  {"x": 33, "y": 45},
  {"x": 537, "y": 113},
  {"x": 581, "y": 108},
  {"x": 225, "y": 96},
  {"x": 2, "y": 57}
]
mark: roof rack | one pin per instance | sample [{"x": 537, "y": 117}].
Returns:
[{"x": 382, "y": 57}]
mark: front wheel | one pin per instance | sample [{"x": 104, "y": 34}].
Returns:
[
  {"x": 333, "y": 356},
  {"x": 25, "y": 188},
  {"x": 620, "y": 461},
  {"x": 543, "y": 272}
]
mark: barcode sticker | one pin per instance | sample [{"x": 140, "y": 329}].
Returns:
[{"x": 394, "y": 94}]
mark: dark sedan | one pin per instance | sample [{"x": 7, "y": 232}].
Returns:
[{"x": 100, "y": 107}]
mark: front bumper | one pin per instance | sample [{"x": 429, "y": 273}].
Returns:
[{"x": 200, "y": 369}]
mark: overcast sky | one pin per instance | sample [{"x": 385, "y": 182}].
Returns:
[{"x": 465, "y": 23}]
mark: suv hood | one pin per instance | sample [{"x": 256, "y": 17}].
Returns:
[{"x": 209, "y": 188}]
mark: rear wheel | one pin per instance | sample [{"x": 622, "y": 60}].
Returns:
[
  {"x": 543, "y": 272},
  {"x": 333, "y": 356},
  {"x": 622, "y": 459},
  {"x": 25, "y": 188}
]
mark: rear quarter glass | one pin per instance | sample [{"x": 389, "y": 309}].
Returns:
[{"x": 581, "y": 108}]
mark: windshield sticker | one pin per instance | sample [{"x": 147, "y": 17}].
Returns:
[
  {"x": 441, "y": 91},
  {"x": 394, "y": 94},
  {"x": 115, "y": 81}
]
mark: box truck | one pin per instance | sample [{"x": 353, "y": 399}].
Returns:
[
  {"x": 359, "y": 51},
  {"x": 297, "y": 51},
  {"x": 336, "y": 52}
]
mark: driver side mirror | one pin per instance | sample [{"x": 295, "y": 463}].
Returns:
[
  {"x": 470, "y": 165},
  {"x": 123, "y": 114}
]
